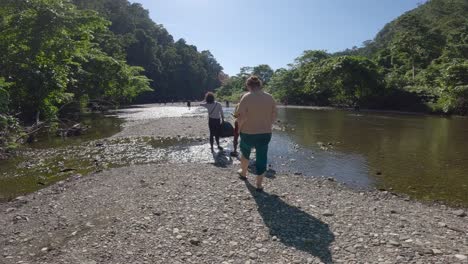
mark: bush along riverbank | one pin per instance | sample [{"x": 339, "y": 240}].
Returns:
[
  {"x": 10, "y": 135},
  {"x": 417, "y": 62}
]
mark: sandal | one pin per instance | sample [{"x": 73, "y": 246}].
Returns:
[
  {"x": 242, "y": 177},
  {"x": 259, "y": 190}
]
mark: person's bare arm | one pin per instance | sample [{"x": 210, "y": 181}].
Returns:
[
  {"x": 274, "y": 113},
  {"x": 222, "y": 112},
  {"x": 241, "y": 111}
]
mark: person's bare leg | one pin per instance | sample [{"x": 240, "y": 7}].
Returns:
[
  {"x": 260, "y": 181},
  {"x": 244, "y": 166}
]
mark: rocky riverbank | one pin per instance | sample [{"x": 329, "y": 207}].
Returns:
[{"x": 197, "y": 212}]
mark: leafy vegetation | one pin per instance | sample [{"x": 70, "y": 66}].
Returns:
[
  {"x": 417, "y": 62},
  {"x": 50, "y": 50},
  {"x": 178, "y": 70},
  {"x": 61, "y": 53}
]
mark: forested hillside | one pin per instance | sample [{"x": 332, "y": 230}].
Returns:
[
  {"x": 56, "y": 52},
  {"x": 58, "y": 55},
  {"x": 418, "y": 62},
  {"x": 178, "y": 70}
]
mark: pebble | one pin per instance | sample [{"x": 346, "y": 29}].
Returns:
[
  {"x": 459, "y": 213},
  {"x": 194, "y": 241},
  {"x": 327, "y": 213},
  {"x": 442, "y": 224},
  {"x": 224, "y": 210}
]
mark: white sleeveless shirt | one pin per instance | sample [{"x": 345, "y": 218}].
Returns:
[{"x": 215, "y": 110}]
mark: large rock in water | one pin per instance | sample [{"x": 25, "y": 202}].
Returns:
[{"x": 75, "y": 130}]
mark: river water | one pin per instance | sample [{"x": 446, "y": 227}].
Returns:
[{"x": 423, "y": 156}]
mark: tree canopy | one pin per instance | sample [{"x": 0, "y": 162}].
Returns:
[
  {"x": 416, "y": 62},
  {"x": 178, "y": 70},
  {"x": 59, "y": 51}
]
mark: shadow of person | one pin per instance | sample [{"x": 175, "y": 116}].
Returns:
[
  {"x": 270, "y": 173},
  {"x": 294, "y": 227},
  {"x": 221, "y": 159}
]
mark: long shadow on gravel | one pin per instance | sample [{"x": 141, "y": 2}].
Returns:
[
  {"x": 294, "y": 227},
  {"x": 221, "y": 159}
]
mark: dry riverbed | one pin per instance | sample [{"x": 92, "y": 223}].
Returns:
[{"x": 196, "y": 212}]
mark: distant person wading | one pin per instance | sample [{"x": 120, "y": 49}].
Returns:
[
  {"x": 215, "y": 117},
  {"x": 255, "y": 114}
]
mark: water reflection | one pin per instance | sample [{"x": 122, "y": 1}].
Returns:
[{"x": 424, "y": 156}]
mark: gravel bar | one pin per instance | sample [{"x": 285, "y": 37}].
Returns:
[{"x": 199, "y": 213}]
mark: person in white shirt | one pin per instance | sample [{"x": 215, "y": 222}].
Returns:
[{"x": 215, "y": 117}]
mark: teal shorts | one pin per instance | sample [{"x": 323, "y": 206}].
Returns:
[{"x": 260, "y": 143}]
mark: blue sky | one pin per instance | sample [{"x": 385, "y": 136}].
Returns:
[{"x": 251, "y": 32}]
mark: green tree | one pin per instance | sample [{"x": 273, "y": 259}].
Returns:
[
  {"x": 177, "y": 70},
  {"x": 349, "y": 80},
  {"x": 48, "y": 46},
  {"x": 4, "y": 96},
  {"x": 285, "y": 85},
  {"x": 454, "y": 91},
  {"x": 264, "y": 72}
]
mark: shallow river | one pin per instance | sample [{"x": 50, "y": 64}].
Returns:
[{"x": 423, "y": 156}]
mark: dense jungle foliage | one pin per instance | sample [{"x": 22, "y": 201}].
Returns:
[
  {"x": 55, "y": 52},
  {"x": 419, "y": 62},
  {"x": 62, "y": 54}
]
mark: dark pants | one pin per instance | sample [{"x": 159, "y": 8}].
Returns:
[
  {"x": 260, "y": 143},
  {"x": 214, "y": 124},
  {"x": 236, "y": 135}
]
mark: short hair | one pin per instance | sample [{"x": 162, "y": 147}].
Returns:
[
  {"x": 209, "y": 97},
  {"x": 254, "y": 82}
]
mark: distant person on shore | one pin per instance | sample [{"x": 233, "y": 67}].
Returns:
[
  {"x": 227, "y": 103},
  {"x": 256, "y": 114},
  {"x": 215, "y": 117},
  {"x": 189, "y": 104}
]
